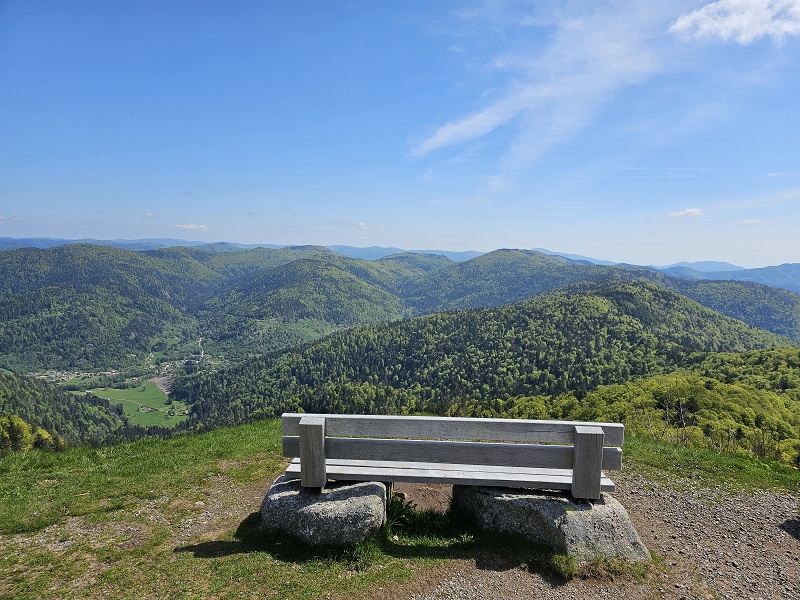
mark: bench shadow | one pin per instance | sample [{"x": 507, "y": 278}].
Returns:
[
  {"x": 250, "y": 538},
  {"x": 489, "y": 552},
  {"x": 792, "y": 527},
  {"x": 246, "y": 539}
]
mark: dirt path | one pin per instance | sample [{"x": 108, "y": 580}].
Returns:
[{"x": 707, "y": 544}]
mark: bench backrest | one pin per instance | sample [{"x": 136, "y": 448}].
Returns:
[
  {"x": 453, "y": 428},
  {"x": 536, "y": 444}
]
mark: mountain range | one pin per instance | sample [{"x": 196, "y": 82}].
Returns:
[
  {"x": 92, "y": 306},
  {"x": 508, "y": 332}
]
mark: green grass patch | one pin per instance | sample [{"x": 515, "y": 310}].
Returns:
[
  {"x": 309, "y": 328},
  {"x": 145, "y": 404},
  {"x": 109, "y": 522},
  {"x": 674, "y": 463},
  {"x": 38, "y": 489},
  {"x": 120, "y": 522}
]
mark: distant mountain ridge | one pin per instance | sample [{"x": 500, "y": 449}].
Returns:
[
  {"x": 370, "y": 253},
  {"x": 704, "y": 266},
  {"x": 786, "y": 276},
  {"x": 91, "y": 306}
]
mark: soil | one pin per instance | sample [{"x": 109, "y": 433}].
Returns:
[
  {"x": 164, "y": 383},
  {"x": 706, "y": 543}
]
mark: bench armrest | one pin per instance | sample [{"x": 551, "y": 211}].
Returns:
[
  {"x": 312, "y": 452},
  {"x": 588, "y": 462}
]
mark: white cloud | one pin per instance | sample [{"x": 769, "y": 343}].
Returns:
[
  {"x": 686, "y": 212},
  {"x": 553, "y": 67},
  {"x": 150, "y": 215},
  {"x": 357, "y": 224},
  {"x": 3, "y": 220},
  {"x": 743, "y": 21},
  {"x": 191, "y": 226},
  {"x": 552, "y": 92}
]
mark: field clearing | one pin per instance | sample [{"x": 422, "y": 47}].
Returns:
[{"x": 145, "y": 405}]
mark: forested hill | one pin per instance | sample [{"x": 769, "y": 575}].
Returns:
[
  {"x": 561, "y": 341},
  {"x": 76, "y": 419},
  {"x": 95, "y": 307},
  {"x": 771, "y": 308},
  {"x": 505, "y": 276}
]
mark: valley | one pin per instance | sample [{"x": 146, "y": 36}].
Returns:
[
  {"x": 165, "y": 369},
  {"x": 245, "y": 334}
]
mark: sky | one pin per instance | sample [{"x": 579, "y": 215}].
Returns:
[{"x": 640, "y": 132}]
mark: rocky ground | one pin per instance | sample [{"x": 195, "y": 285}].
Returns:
[
  {"x": 164, "y": 383},
  {"x": 706, "y": 544}
]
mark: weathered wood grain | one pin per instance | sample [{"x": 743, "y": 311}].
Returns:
[
  {"x": 454, "y": 428},
  {"x": 523, "y": 453},
  {"x": 548, "y": 479},
  {"x": 588, "y": 462},
  {"x": 312, "y": 452},
  {"x": 437, "y": 451}
]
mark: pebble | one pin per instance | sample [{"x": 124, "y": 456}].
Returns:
[{"x": 717, "y": 544}]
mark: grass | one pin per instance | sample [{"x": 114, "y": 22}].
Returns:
[
  {"x": 38, "y": 489},
  {"x": 178, "y": 519},
  {"x": 674, "y": 464},
  {"x": 308, "y": 328},
  {"x": 147, "y": 519},
  {"x": 146, "y": 396}
]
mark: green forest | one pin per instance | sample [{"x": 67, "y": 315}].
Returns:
[
  {"x": 92, "y": 307},
  {"x": 75, "y": 418},
  {"x": 249, "y": 334}
]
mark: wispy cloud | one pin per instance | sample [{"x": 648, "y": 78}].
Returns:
[
  {"x": 356, "y": 224},
  {"x": 552, "y": 92},
  {"x": 150, "y": 215},
  {"x": 743, "y": 21},
  {"x": 191, "y": 226},
  {"x": 664, "y": 172},
  {"x": 686, "y": 212},
  {"x": 556, "y": 66},
  {"x": 3, "y": 220}
]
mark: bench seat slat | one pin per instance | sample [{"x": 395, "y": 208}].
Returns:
[
  {"x": 436, "y": 451},
  {"x": 455, "y": 474},
  {"x": 453, "y": 428}
]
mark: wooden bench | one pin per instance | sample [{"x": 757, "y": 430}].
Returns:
[{"x": 517, "y": 453}]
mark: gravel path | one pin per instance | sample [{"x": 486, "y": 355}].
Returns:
[{"x": 707, "y": 543}]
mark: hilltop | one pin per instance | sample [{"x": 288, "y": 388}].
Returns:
[
  {"x": 146, "y": 515},
  {"x": 88, "y": 307}
]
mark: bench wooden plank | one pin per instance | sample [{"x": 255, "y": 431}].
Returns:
[
  {"x": 436, "y": 451},
  {"x": 552, "y": 479},
  {"x": 439, "y": 466},
  {"x": 453, "y": 428}
]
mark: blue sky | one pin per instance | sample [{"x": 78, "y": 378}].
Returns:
[{"x": 623, "y": 130}]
